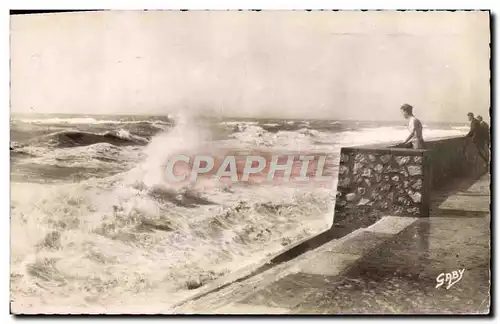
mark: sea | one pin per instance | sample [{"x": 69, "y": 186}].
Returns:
[{"x": 95, "y": 228}]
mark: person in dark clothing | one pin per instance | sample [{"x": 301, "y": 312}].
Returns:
[
  {"x": 485, "y": 128},
  {"x": 478, "y": 138}
]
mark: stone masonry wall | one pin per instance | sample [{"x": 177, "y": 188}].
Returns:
[
  {"x": 376, "y": 181},
  {"x": 380, "y": 183}
]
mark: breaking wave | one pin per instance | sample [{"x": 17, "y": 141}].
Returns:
[
  {"x": 79, "y": 138},
  {"x": 107, "y": 241},
  {"x": 113, "y": 234}
]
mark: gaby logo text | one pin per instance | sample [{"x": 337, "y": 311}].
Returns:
[{"x": 449, "y": 278}]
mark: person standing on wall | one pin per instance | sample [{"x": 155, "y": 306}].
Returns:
[
  {"x": 478, "y": 137},
  {"x": 415, "y": 139}
]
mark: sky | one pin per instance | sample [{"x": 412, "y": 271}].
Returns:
[{"x": 276, "y": 64}]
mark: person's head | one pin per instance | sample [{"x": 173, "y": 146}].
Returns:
[
  {"x": 480, "y": 118},
  {"x": 407, "y": 110},
  {"x": 470, "y": 116}
]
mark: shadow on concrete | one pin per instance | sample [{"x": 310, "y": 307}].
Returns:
[
  {"x": 400, "y": 276},
  {"x": 458, "y": 187},
  {"x": 454, "y": 213},
  {"x": 438, "y": 197}
]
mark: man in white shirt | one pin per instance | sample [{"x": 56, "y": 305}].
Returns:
[{"x": 415, "y": 139}]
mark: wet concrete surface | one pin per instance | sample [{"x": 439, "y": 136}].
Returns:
[
  {"x": 381, "y": 269},
  {"x": 400, "y": 276}
]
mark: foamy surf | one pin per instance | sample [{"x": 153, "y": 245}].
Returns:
[
  {"x": 128, "y": 239},
  {"x": 101, "y": 241}
]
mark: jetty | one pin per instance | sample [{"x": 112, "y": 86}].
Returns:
[{"x": 411, "y": 235}]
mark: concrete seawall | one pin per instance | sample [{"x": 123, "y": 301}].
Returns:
[{"x": 381, "y": 191}]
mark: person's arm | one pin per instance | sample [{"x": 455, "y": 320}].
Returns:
[
  {"x": 473, "y": 129},
  {"x": 412, "y": 131}
]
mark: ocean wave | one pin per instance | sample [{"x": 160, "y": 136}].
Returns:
[
  {"x": 388, "y": 134},
  {"x": 236, "y": 123},
  {"x": 84, "y": 156},
  {"x": 307, "y": 131},
  {"x": 29, "y": 128},
  {"x": 115, "y": 238},
  {"x": 296, "y": 139},
  {"x": 89, "y": 120},
  {"x": 119, "y": 137},
  {"x": 146, "y": 129},
  {"x": 14, "y": 153},
  {"x": 323, "y": 139},
  {"x": 461, "y": 128}
]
